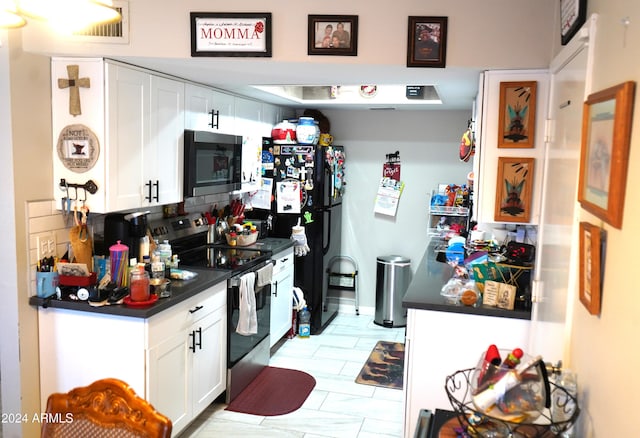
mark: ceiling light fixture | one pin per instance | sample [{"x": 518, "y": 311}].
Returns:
[
  {"x": 9, "y": 18},
  {"x": 64, "y": 15}
]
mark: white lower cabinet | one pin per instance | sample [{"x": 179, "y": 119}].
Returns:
[
  {"x": 438, "y": 344},
  {"x": 281, "y": 295},
  {"x": 176, "y": 359}
]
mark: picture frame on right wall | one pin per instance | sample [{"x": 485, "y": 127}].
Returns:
[
  {"x": 592, "y": 256},
  {"x": 604, "y": 157}
]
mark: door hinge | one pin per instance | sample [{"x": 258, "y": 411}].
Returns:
[{"x": 549, "y": 125}]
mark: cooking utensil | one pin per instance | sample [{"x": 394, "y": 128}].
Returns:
[
  {"x": 81, "y": 242},
  {"x": 222, "y": 228}
]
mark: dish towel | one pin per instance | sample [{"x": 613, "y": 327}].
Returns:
[
  {"x": 264, "y": 275},
  {"x": 247, "y": 318}
]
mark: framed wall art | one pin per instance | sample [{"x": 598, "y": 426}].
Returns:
[
  {"x": 592, "y": 256},
  {"x": 513, "y": 189},
  {"x": 606, "y": 135},
  {"x": 517, "y": 114},
  {"x": 427, "y": 42},
  {"x": 333, "y": 35},
  {"x": 573, "y": 14},
  {"x": 231, "y": 34}
]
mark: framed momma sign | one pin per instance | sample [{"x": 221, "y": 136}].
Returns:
[{"x": 231, "y": 34}]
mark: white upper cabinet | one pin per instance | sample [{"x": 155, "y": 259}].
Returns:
[
  {"x": 126, "y": 137},
  {"x": 164, "y": 151},
  {"x": 488, "y": 153},
  {"x": 128, "y": 111},
  {"x": 145, "y": 134},
  {"x": 207, "y": 109}
]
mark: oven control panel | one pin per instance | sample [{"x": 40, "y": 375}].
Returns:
[{"x": 176, "y": 228}]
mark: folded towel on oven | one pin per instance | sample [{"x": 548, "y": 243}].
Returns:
[
  {"x": 247, "y": 317},
  {"x": 263, "y": 276}
]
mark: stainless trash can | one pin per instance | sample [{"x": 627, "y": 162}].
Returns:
[{"x": 393, "y": 275}]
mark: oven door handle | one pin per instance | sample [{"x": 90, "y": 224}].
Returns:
[{"x": 235, "y": 281}]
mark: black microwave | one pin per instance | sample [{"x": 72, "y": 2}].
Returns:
[{"x": 212, "y": 163}]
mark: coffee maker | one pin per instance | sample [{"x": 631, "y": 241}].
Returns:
[{"x": 128, "y": 228}]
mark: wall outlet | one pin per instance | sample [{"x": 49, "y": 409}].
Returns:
[{"x": 46, "y": 246}]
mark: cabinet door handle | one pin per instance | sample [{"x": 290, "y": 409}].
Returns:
[
  {"x": 284, "y": 259},
  {"x": 192, "y": 335},
  {"x": 157, "y": 185},
  {"x": 194, "y": 310},
  {"x": 199, "y": 343},
  {"x": 275, "y": 289},
  {"x": 148, "y": 185},
  {"x": 215, "y": 119}
]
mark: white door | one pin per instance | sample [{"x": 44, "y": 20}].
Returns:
[
  {"x": 168, "y": 375},
  {"x": 281, "y": 304},
  {"x": 163, "y": 155},
  {"x": 198, "y": 105},
  {"x": 127, "y": 133},
  {"x": 208, "y": 356},
  {"x": 551, "y": 310}
]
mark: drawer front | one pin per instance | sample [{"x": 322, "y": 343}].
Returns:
[
  {"x": 184, "y": 314},
  {"x": 282, "y": 260}
]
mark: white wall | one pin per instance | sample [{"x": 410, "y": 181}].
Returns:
[
  {"x": 9, "y": 326},
  {"x": 494, "y": 33},
  {"x": 428, "y": 143},
  {"x": 604, "y": 349}
]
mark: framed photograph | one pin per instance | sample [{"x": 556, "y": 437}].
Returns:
[
  {"x": 606, "y": 135},
  {"x": 592, "y": 251},
  {"x": 427, "y": 42},
  {"x": 335, "y": 35},
  {"x": 231, "y": 34},
  {"x": 517, "y": 114},
  {"x": 513, "y": 189},
  {"x": 573, "y": 14}
]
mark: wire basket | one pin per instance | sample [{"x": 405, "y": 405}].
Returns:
[{"x": 550, "y": 423}]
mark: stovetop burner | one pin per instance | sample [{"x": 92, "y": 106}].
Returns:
[
  {"x": 225, "y": 258},
  {"x": 188, "y": 238}
]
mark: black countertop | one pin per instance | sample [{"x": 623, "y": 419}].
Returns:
[
  {"x": 273, "y": 244},
  {"x": 424, "y": 291},
  {"x": 180, "y": 289}
]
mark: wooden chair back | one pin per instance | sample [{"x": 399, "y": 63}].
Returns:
[{"x": 107, "y": 408}]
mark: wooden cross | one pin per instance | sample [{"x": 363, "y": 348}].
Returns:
[{"x": 73, "y": 84}]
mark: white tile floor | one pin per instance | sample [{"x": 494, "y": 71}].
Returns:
[{"x": 337, "y": 407}]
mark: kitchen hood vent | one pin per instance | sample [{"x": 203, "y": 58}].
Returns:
[{"x": 109, "y": 32}]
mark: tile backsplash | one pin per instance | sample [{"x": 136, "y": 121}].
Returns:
[{"x": 44, "y": 219}]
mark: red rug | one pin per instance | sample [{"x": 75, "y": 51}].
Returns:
[{"x": 275, "y": 391}]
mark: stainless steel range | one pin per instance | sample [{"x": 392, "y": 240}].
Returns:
[{"x": 247, "y": 354}]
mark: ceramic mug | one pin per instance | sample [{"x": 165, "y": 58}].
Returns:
[
  {"x": 326, "y": 139},
  {"x": 46, "y": 283}
]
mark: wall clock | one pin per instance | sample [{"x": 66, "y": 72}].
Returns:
[{"x": 573, "y": 14}]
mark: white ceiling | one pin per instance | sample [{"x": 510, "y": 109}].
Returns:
[{"x": 457, "y": 87}]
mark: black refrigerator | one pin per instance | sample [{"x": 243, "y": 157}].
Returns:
[{"x": 308, "y": 185}]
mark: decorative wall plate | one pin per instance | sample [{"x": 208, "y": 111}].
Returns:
[
  {"x": 368, "y": 90},
  {"x": 78, "y": 148}
]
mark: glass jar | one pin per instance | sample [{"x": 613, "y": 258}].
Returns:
[
  {"x": 139, "y": 284},
  {"x": 307, "y": 131}
]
